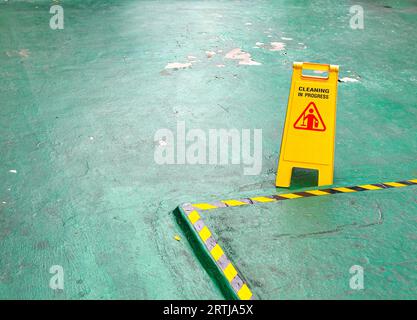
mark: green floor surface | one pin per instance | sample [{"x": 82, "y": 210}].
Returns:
[
  {"x": 79, "y": 108},
  {"x": 305, "y": 248}
]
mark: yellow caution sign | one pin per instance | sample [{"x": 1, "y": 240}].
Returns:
[{"x": 310, "y": 123}]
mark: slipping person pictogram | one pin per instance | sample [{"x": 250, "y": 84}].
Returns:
[{"x": 310, "y": 119}]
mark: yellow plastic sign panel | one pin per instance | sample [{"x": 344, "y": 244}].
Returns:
[{"x": 310, "y": 123}]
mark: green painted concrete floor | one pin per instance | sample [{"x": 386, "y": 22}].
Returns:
[{"x": 79, "y": 186}]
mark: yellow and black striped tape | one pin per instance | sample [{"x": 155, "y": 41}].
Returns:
[
  {"x": 230, "y": 273},
  {"x": 304, "y": 194},
  {"x": 228, "y": 270}
]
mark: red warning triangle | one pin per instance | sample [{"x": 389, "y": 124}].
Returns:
[{"x": 310, "y": 119}]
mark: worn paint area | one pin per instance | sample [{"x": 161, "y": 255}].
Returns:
[
  {"x": 178, "y": 65},
  {"x": 277, "y": 46},
  {"x": 243, "y": 57},
  {"x": 210, "y": 54},
  {"x": 347, "y": 79}
]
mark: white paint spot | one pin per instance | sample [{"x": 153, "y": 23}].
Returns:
[
  {"x": 210, "y": 54},
  {"x": 178, "y": 65},
  {"x": 235, "y": 54},
  {"x": 24, "y": 53},
  {"x": 284, "y": 38},
  {"x": 91, "y": 138},
  {"x": 243, "y": 57},
  {"x": 347, "y": 79},
  {"x": 162, "y": 142},
  {"x": 220, "y": 65},
  {"x": 219, "y": 51},
  {"x": 269, "y": 36},
  {"x": 13, "y": 171},
  {"x": 277, "y": 46},
  {"x": 248, "y": 23},
  {"x": 259, "y": 44},
  {"x": 249, "y": 62},
  {"x": 4, "y": 202},
  {"x": 191, "y": 58}
]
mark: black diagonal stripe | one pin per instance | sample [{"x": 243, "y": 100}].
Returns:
[
  {"x": 304, "y": 194},
  {"x": 408, "y": 183},
  {"x": 331, "y": 191},
  {"x": 356, "y": 188},
  {"x": 248, "y": 199},
  {"x": 386, "y": 186},
  {"x": 279, "y": 198},
  {"x": 381, "y": 185}
]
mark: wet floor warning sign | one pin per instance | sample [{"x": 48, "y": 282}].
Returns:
[{"x": 309, "y": 131}]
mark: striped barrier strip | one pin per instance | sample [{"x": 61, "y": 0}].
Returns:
[
  {"x": 235, "y": 281},
  {"x": 304, "y": 194}
]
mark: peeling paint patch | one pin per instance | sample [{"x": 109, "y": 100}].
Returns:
[
  {"x": 243, "y": 57},
  {"x": 178, "y": 65},
  {"x": 277, "y": 46},
  {"x": 210, "y": 54},
  {"x": 24, "y": 53},
  {"x": 347, "y": 79},
  {"x": 250, "y": 62}
]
